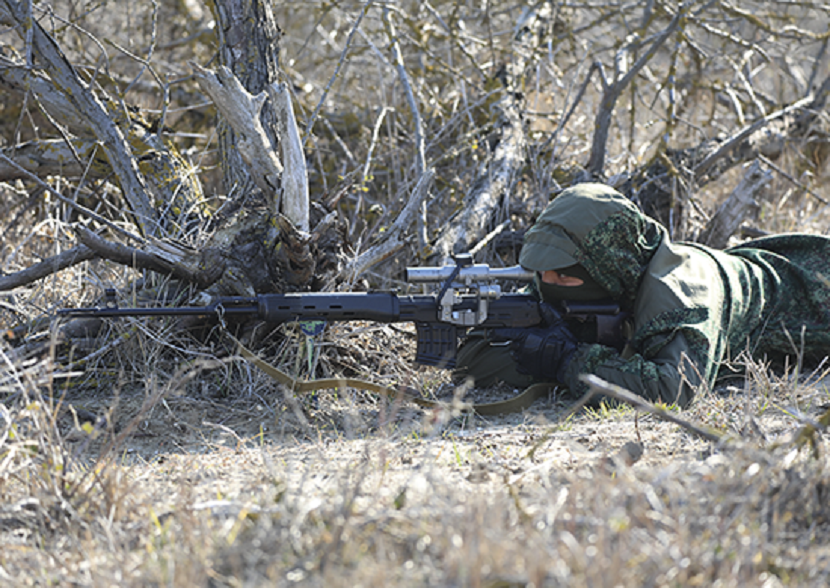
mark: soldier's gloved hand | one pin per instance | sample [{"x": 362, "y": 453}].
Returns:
[{"x": 542, "y": 352}]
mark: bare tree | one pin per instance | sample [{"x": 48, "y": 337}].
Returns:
[
  {"x": 161, "y": 194},
  {"x": 259, "y": 147}
]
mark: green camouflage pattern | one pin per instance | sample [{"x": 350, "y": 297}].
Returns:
[
  {"x": 797, "y": 314},
  {"x": 694, "y": 308}
]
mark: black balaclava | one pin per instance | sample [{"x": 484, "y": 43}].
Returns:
[{"x": 589, "y": 290}]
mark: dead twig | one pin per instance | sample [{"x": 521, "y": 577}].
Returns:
[
  {"x": 598, "y": 386},
  {"x": 798, "y": 184},
  {"x": 395, "y": 235},
  {"x": 313, "y": 118},
  {"x": 420, "y": 148}
]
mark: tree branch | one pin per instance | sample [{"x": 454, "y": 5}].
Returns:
[
  {"x": 49, "y": 158},
  {"x": 64, "y": 77},
  {"x": 47, "y": 267},
  {"x": 395, "y": 235},
  {"x": 420, "y": 148},
  {"x": 496, "y": 178},
  {"x": 295, "y": 203},
  {"x": 16, "y": 78},
  {"x": 737, "y": 138},
  {"x": 612, "y": 91},
  {"x": 242, "y": 111},
  {"x": 80, "y": 208}
]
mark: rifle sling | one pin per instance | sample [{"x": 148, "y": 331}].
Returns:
[{"x": 515, "y": 404}]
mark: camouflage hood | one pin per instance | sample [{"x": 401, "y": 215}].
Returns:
[{"x": 597, "y": 227}]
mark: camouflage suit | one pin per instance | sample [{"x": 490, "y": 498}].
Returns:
[{"x": 693, "y": 307}]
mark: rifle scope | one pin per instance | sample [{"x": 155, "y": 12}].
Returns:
[{"x": 472, "y": 273}]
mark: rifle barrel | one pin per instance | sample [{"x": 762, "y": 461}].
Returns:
[{"x": 221, "y": 306}]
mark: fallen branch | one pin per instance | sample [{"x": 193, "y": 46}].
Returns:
[
  {"x": 734, "y": 209},
  {"x": 202, "y": 269},
  {"x": 488, "y": 238},
  {"x": 496, "y": 178},
  {"x": 47, "y": 267},
  {"x": 598, "y": 386}
]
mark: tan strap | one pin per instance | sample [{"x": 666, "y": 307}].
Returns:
[{"x": 515, "y": 404}]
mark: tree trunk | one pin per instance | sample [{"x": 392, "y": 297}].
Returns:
[{"x": 248, "y": 39}]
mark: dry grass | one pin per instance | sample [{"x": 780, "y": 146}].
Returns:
[{"x": 168, "y": 484}]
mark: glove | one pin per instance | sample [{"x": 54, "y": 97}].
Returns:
[{"x": 542, "y": 352}]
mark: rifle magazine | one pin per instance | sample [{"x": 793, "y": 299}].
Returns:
[{"x": 437, "y": 344}]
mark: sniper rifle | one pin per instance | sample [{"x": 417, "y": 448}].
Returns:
[{"x": 467, "y": 298}]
